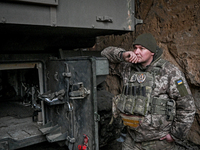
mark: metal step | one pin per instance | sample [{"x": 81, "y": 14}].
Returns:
[
  {"x": 48, "y": 128},
  {"x": 53, "y": 133},
  {"x": 56, "y": 135}
]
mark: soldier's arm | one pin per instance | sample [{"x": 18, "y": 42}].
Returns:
[
  {"x": 185, "y": 107},
  {"x": 113, "y": 54}
]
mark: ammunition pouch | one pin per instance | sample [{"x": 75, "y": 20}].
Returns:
[
  {"x": 133, "y": 104},
  {"x": 164, "y": 107},
  {"x": 139, "y": 106}
]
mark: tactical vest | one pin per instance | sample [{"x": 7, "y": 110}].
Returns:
[{"x": 136, "y": 97}]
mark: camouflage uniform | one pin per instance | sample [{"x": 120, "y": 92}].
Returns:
[{"x": 152, "y": 127}]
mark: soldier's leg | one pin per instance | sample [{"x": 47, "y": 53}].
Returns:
[
  {"x": 173, "y": 145},
  {"x": 129, "y": 144},
  {"x": 164, "y": 145},
  {"x": 158, "y": 145}
]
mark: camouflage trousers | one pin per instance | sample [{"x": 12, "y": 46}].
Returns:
[{"x": 129, "y": 144}]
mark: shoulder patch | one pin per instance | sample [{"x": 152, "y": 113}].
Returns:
[
  {"x": 181, "y": 87},
  {"x": 179, "y": 82}
]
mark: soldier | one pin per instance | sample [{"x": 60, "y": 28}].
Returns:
[{"x": 156, "y": 104}]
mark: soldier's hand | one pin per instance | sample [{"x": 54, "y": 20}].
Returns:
[
  {"x": 168, "y": 138},
  {"x": 130, "y": 56}
]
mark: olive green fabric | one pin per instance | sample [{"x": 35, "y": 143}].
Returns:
[
  {"x": 181, "y": 87},
  {"x": 146, "y": 40}
]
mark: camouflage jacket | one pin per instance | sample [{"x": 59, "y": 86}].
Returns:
[{"x": 156, "y": 126}]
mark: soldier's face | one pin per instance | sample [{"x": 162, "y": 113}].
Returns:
[{"x": 144, "y": 56}]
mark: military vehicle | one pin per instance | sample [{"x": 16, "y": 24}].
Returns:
[{"x": 48, "y": 78}]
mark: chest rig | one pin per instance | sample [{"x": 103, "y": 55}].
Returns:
[{"x": 136, "y": 96}]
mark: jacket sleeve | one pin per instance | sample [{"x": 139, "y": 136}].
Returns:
[
  {"x": 117, "y": 65},
  {"x": 185, "y": 107},
  {"x": 113, "y": 54}
]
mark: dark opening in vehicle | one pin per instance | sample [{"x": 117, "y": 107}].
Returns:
[{"x": 20, "y": 108}]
